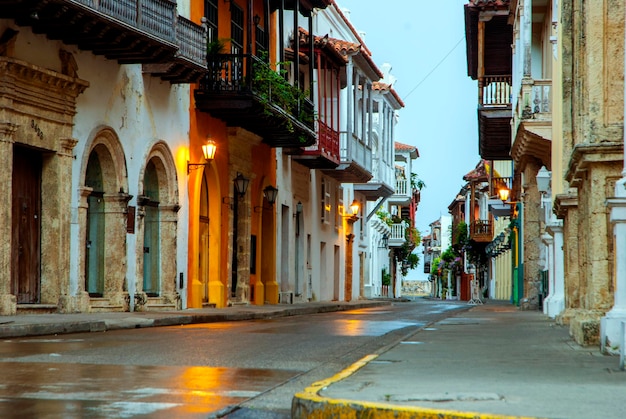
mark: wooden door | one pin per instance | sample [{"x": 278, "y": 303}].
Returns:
[
  {"x": 26, "y": 225},
  {"x": 96, "y": 228}
]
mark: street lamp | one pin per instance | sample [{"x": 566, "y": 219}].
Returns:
[
  {"x": 543, "y": 180},
  {"x": 241, "y": 184},
  {"x": 384, "y": 241},
  {"x": 270, "y": 193},
  {"x": 208, "y": 151}
]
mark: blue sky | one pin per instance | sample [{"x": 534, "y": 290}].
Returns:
[{"x": 426, "y": 49}]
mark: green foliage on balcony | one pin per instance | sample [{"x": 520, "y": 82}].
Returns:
[{"x": 273, "y": 89}]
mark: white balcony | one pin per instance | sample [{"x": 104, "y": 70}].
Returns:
[{"x": 397, "y": 236}]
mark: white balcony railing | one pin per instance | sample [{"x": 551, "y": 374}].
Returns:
[
  {"x": 353, "y": 150},
  {"x": 402, "y": 187},
  {"x": 494, "y": 91},
  {"x": 398, "y": 231}
]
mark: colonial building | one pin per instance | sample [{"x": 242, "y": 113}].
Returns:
[
  {"x": 567, "y": 114},
  {"x": 95, "y": 111},
  {"x": 184, "y": 155}
]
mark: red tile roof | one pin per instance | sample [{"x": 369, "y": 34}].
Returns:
[
  {"x": 377, "y": 85},
  {"x": 344, "y": 48},
  {"x": 480, "y": 172},
  {"x": 365, "y": 52},
  {"x": 405, "y": 147}
]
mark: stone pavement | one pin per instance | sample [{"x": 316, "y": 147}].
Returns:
[{"x": 492, "y": 361}]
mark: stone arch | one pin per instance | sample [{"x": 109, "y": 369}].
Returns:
[
  {"x": 102, "y": 209},
  {"x": 156, "y": 251}
]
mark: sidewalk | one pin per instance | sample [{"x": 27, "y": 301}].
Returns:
[
  {"x": 492, "y": 359},
  {"x": 52, "y": 324}
]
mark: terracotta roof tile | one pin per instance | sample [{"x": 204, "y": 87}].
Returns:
[
  {"x": 380, "y": 86},
  {"x": 366, "y": 53},
  {"x": 480, "y": 172},
  {"x": 405, "y": 147}
]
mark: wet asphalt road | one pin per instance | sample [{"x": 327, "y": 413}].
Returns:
[{"x": 233, "y": 369}]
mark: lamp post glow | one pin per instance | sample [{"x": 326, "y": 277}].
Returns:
[{"x": 208, "y": 152}]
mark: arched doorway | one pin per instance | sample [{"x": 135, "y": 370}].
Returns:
[
  {"x": 151, "y": 233},
  {"x": 157, "y": 251},
  {"x": 204, "y": 242},
  {"x": 94, "y": 246},
  {"x": 102, "y": 214}
]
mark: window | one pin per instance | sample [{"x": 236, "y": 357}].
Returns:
[
  {"x": 260, "y": 40},
  {"x": 325, "y": 199},
  {"x": 340, "y": 210},
  {"x": 236, "y": 28},
  {"x": 210, "y": 12}
]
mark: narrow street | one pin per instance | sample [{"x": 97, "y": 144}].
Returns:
[{"x": 235, "y": 369}]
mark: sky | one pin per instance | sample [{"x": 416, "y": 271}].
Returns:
[{"x": 426, "y": 49}]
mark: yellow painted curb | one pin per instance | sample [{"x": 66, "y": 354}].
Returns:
[{"x": 310, "y": 405}]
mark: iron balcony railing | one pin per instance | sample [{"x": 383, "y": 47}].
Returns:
[
  {"x": 247, "y": 74},
  {"x": 156, "y": 17}
]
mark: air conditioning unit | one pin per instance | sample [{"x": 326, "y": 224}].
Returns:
[{"x": 285, "y": 297}]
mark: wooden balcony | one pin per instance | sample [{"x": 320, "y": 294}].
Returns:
[
  {"x": 481, "y": 231},
  {"x": 355, "y": 161},
  {"x": 129, "y": 31},
  {"x": 324, "y": 154},
  {"x": 240, "y": 90},
  {"x": 494, "y": 117}
]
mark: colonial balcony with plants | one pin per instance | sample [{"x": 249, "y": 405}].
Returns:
[
  {"x": 329, "y": 71},
  {"x": 130, "y": 31},
  {"x": 245, "y": 91}
]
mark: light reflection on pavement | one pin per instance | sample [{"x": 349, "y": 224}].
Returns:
[{"x": 46, "y": 390}]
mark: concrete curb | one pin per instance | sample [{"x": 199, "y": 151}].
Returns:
[
  {"x": 310, "y": 405},
  {"x": 31, "y": 325}
]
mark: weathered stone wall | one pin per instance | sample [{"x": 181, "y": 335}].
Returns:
[{"x": 593, "y": 80}]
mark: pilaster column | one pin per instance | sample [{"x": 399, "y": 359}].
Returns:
[
  {"x": 609, "y": 326},
  {"x": 549, "y": 242},
  {"x": 8, "y": 303},
  {"x": 610, "y": 332},
  {"x": 349, "y": 266},
  {"x": 556, "y": 305}
]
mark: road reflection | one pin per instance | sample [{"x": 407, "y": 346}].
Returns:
[{"x": 45, "y": 390}]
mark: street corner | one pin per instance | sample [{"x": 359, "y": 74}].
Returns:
[{"x": 309, "y": 404}]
